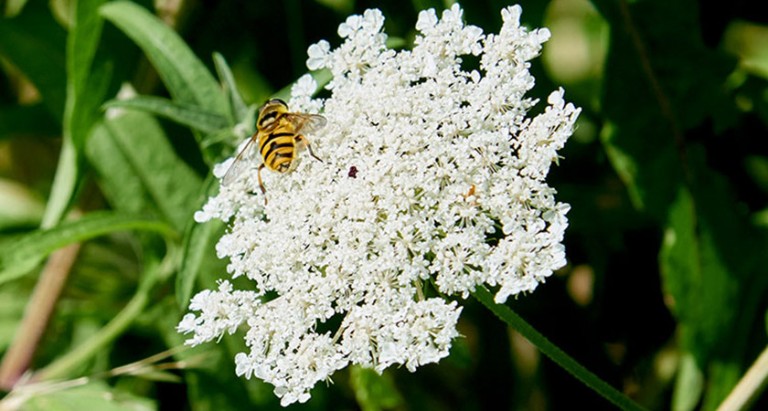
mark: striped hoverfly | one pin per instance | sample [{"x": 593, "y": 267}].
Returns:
[{"x": 280, "y": 137}]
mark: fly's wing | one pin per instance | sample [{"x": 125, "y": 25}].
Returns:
[
  {"x": 240, "y": 164},
  {"x": 306, "y": 123}
]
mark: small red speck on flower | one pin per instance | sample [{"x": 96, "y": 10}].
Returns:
[{"x": 352, "y": 172}]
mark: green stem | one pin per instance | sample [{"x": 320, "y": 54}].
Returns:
[
  {"x": 750, "y": 387},
  {"x": 554, "y": 353},
  {"x": 64, "y": 185},
  {"x": 37, "y": 315},
  {"x": 67, "y": 365}
]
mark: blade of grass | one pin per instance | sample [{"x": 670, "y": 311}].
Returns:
[
  {"x": 172, "y": 185},
  {"x": 39, "y": 308},
  {"x": 198, "y": 252},
  {"x": 185, "y": 76},
  {"x": 184, "y": 114},
  {"x": 237, "y": 107},
  {"x": 119, "y": 183},
  {"x": 86, "y": 87},
  {"x": 554, "y": 352},
  {"x": 71, "y": 362},
  {"x": 16, "y": 255},
  {"x": 82, "y": 394}
]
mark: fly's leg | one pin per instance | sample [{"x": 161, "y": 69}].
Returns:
[
  {"x": 302, "y": 142},
  {"x": 312, "y": 153},
  {"x": 261, "y": 184}
]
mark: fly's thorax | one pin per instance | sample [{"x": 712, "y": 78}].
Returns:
[{"x": 270, "y": 115}]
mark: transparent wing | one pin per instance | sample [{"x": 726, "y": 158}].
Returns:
[
  {"x": 306, "y": 123},
  {"x": 240, "y": 164}
]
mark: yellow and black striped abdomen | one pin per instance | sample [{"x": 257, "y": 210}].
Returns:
[{"x": 278, "y": 147}]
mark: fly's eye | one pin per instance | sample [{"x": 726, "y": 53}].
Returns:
[
  {"x": 278, "y": 101},
  {"x": 267, "y": 119}
]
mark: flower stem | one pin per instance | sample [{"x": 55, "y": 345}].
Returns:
[
  {"x": 555, "y": 353},
  {"x": 37, "y": 315},
  {"x": 750, "y": 385},
  {"x": 68, "y": 364}
]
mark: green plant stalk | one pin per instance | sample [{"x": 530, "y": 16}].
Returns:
[
  {"x": 67, "y": 365},
  {"x": 38, "y": 312},
  {"x": 554, "y": 353},
  {"x": 64, "y": 186},
  {"x": 749, "y": 387}
]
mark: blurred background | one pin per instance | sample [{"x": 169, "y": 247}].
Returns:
[{"x": 664, "y": 294}]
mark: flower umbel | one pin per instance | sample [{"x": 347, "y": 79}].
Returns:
[{"x": 431, "y": 174}]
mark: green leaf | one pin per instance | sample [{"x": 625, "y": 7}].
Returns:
[
  {"x": 696, "y": 279},
  {"x": 651, "y": 96},
  {"x": 86, "y": 87},
  {"x": 184, "y": 114},
  {"x": 95, "y": 396},
  {"x": 695, "y": 286},
  {"x": 748, "y": 41},
  {"x": 689, "y": 385},
  {"x": 17, "y": 255},
  {"x": 702, "y": 285},
  {"x": 237, "y": 107},
  {"x": 199, "y": 255},
  {"x": 13, "y": 7},
  {"x": 120, "y": 184},
  {"x": 253, "y": 85},
  {"x": 83, "y": 39},
  {"x": 713, "y": 276},
  {"x": 34, "y": 43},
  {"x": 219, "y": 145},
  {"x": 226, "y": 137},
  {"x": 13, "y": 299},
  {"x": 169, "y": 181},
  {"x": 373, "y": 391},
  {"x": 723, "y": 376},
  {"x": 64, "y": 185},
  {"x": 155, "y": 270},
  {"x": 185, "y": 76}
]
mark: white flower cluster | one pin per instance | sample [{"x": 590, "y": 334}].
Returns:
[{"x": 432, "y": 177}]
